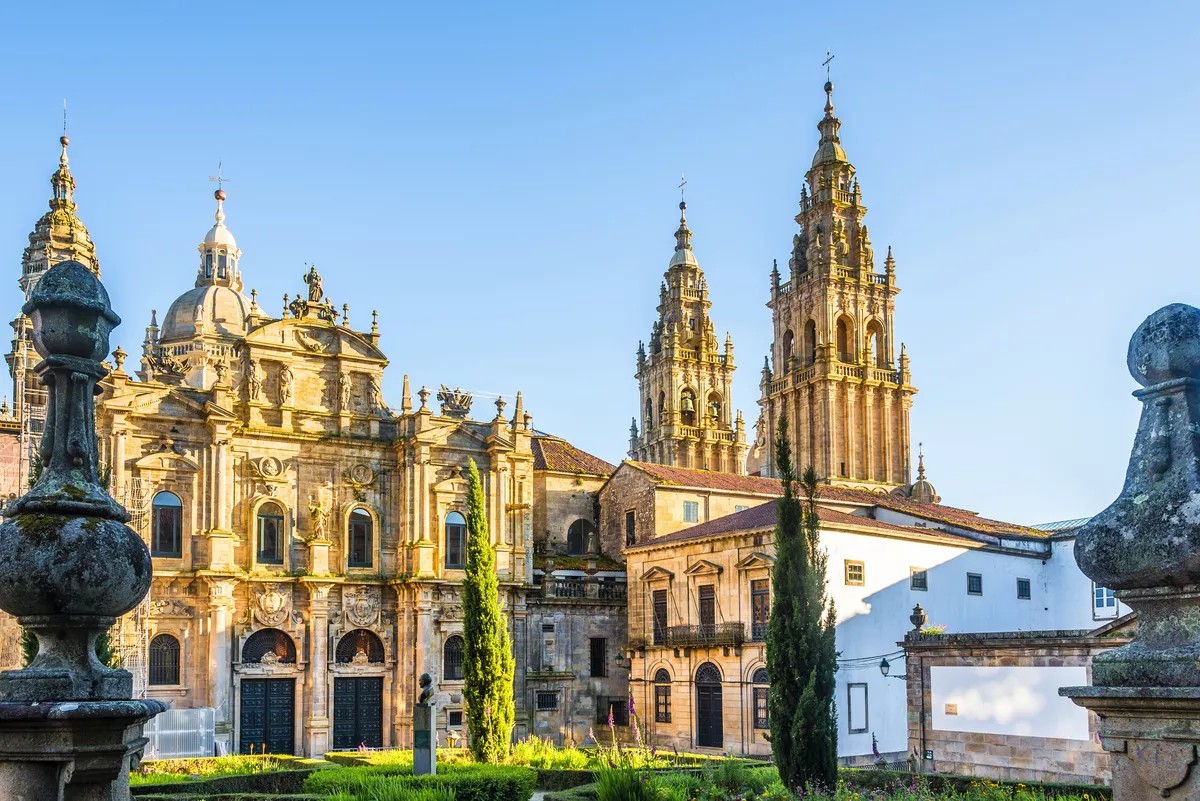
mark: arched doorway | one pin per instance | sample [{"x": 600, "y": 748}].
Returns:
[
  {"x": 268, "y": 706},
  {"x": 358, "y": 700},
  {"x": 709, "y": 724}
]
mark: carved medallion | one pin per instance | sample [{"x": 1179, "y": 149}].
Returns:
[
  {"x": 361, "y": 606},
  {"x": 268, "y": 467},
  {"x": 272, "y": 604},
  {"x": 170, "y": 607},
  {"x": 361, "y": 474}
]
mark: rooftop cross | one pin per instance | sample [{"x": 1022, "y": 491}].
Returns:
[
  {"x": 682, "y": 184},
  {"x": 219, "y": 177},
  {"x": 64, "y": 116},
  {"x": 828, "y": 58}
]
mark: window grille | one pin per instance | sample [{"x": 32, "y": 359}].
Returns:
[
  {"x": 359, "y": 641},
  {"x": 599, "y": 665},
  {"x": 918, "y": 579},
  {"x": 164, "y": 660},
  {"x": 269, "y": 641},
  {"x": 974, "y": 584},
  {"x": 452, "y": 667},
  {"x": 547, "y": 701},
  {"x": 1024, "y": 589}
]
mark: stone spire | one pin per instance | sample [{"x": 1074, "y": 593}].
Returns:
[{"x": 58, "y": 235}]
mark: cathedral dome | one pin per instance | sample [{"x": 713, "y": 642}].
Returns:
[
  {"x": 210, "y": 309},
  {"x": 829, "y": 153}
]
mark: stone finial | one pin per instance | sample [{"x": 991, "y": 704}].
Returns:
[
  {"x": 500, "y": 404},
  {"x": 119, "y": 355},
  {"x": 423, "y": 394},
  {"x": 918, "y": 618},
  {"x": 69, "y": 566},
  {"x": 1144, "y": 545}
]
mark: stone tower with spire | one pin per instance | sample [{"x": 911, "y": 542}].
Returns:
[
  {"x": 58, "y": 236},
  {"x": 835, "y": 372},
  {"x": 684, "y": 378}
]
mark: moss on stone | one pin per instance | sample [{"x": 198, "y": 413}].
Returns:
[{"x": 40, "y": 529}]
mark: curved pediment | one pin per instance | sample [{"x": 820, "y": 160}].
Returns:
[
  {"x": 312, "y": 336},
  {"x": 167, "y": 460}
]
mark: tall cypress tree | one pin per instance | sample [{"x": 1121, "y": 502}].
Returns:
[
  {"x": 488, "y": 663},
  {"x": 801, "y": 651}
]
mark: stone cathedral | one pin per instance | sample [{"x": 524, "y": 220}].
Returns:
[{"x": 308, "y": 538}]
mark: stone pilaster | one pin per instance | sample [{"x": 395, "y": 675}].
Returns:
[
  {"x": 220, "y": 655},
  {"x": 317, "y": 727}
]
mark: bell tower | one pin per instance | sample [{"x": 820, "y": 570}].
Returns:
[
  {"x": 685, "y": 379},
  {"x": 835, "y": 373}
]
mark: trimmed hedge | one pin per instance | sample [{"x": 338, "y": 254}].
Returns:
[
  {"x": 277, "y": 782},
  {"x": 232, "y": 797},
  {"x": 469, "y": 782},
  {"x": 869, "y": 779}
]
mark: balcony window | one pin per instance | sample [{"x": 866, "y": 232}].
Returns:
[
  {"x": 660, "y": 617},
  {"x": 760, "y": 608},
  {"x": 708, "y": 605}
]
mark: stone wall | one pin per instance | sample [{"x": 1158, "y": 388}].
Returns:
[
  {"x": 628, "y": 489},
  {"x": 1005, "y": 756},
  {"x": 560, "y": 500}
]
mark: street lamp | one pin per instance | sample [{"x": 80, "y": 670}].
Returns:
[{"x": 884, "y": 667}]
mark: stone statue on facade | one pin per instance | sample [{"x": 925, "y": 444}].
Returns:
[
  {"x": 377, "y": 404},
  {"x": 285, "y": 385},
  {"x": 318, "y": 514},
  {"x": 253, "y": 380},
  {"x": 343, "y": 393},
  {"x": 313, "y": 279}
]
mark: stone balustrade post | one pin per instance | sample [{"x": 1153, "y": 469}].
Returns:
[
  {"x": 69, "y": 566},
  {"x": 1146, "y": 547}
]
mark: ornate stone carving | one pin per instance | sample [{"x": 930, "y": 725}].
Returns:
[
  {"x": 318, "y": 515},
  {"x": 455, "y": 402},
  {"x": 361, "y": 606},
  {"x": 311, "y": 342},
  {"x": 253, "y": 380},
  {"x": 285, "y": 384},
  {"x": 344, "y": 393},
  {"x": 268, "y": 467},
  {"x": 272, "y": 604},
  {"x": 360, "y": 475},
  {"x": 170, "y": 607}
]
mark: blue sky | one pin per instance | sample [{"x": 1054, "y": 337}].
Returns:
[{"x": 499, "y": 180}]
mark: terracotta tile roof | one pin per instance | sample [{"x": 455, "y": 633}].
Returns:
[
  {"x": 560, "y": 456},
  {"x": 764, "y": 516},
  {"x": 707, "y": 479},
  {"x": 936, "y": 512}
]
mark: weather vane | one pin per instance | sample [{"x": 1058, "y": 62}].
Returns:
[
  {"x": 828, "y": 58},
  {"x": 64, "y": 116},
  {"x": 682, "y": 184},
  {"x": 219, "y": 177}
]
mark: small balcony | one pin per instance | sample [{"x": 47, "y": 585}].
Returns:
[
  {"x": 706, "y": 634},
  {"x": 584, "y": 588}
]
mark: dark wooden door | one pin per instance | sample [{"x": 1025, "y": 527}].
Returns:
[
  {"x": 268, "y": 716},
  {"x": 357, "y": 713},
  {"x": 708, "y": 715}
]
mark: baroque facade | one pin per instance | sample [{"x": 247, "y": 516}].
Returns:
[
  {"x": 836, "y": 375},
  {"x": 309, "y": 540},
  {"x": 685, "y": 380}
]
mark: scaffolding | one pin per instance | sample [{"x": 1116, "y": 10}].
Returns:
[{"x": 130, "y": 640}]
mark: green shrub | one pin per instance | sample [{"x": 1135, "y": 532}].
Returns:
[
  {"x": 468, "y": 782},
  {"x": 627, "y": 784}
]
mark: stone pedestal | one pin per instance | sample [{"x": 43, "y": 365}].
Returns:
[
  {"x": 71, "y": 751},
  {"x": 424, "y": 740},
  {"x": 1152, "y": 734}
]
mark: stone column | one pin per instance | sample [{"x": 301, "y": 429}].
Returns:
[
  {"x": 318, "y": 675},
  {"x": 1145, "y": 546},
  {"x": 221, "y": 656}
]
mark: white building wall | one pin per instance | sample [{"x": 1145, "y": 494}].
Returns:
[{"x": 873, "y": 617}]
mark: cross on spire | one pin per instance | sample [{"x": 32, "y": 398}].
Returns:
[
  {"x": 682, "y": 184},
  {"x": 828, "y": 58},
  {"x": 219, "y": 177},
  {"x": 64, "y": 116}
]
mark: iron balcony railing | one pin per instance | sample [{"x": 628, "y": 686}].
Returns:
[{"x": 706, "y": 634}]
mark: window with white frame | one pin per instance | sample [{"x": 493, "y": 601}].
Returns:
[
  {"x": 1104, "y": 602},
  {"x": 691, "y": 512},
  {"x": 918, "y": 579},
  {"x": 857, "y": 718}
]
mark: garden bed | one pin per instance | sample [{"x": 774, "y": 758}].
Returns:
[{"x": 229, "y": 775}]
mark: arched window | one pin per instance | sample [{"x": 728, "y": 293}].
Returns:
[
  {"x": 662, "y": 696},
  {"x": 714, "y": 405},
  {"x": 788, "y": 347},
  {"x": 662, "y": 406},
  {"x": 166, "y": 536},
  {"x": 762, "y": 695},
  {"x": 456, "y": 541},
  {"x": 268, "y": 647},
  {"x": 709, "y": 732},
  {"x": 649, "y": 415},
  {"x": 579, "y": 537},
  {"x": 360, "y": 538},
  {"x": 452, "y": 659},
  {"x": 164, "y": 660},
  {"x": 270, "y": 534},
  {"x": 810, "y": 343},
  {"x": 845, "y": 341},
  {"x": 687, "y": 407},
  {"x": 875, "y": 355},
  {"x": 359, "y": 646}
]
